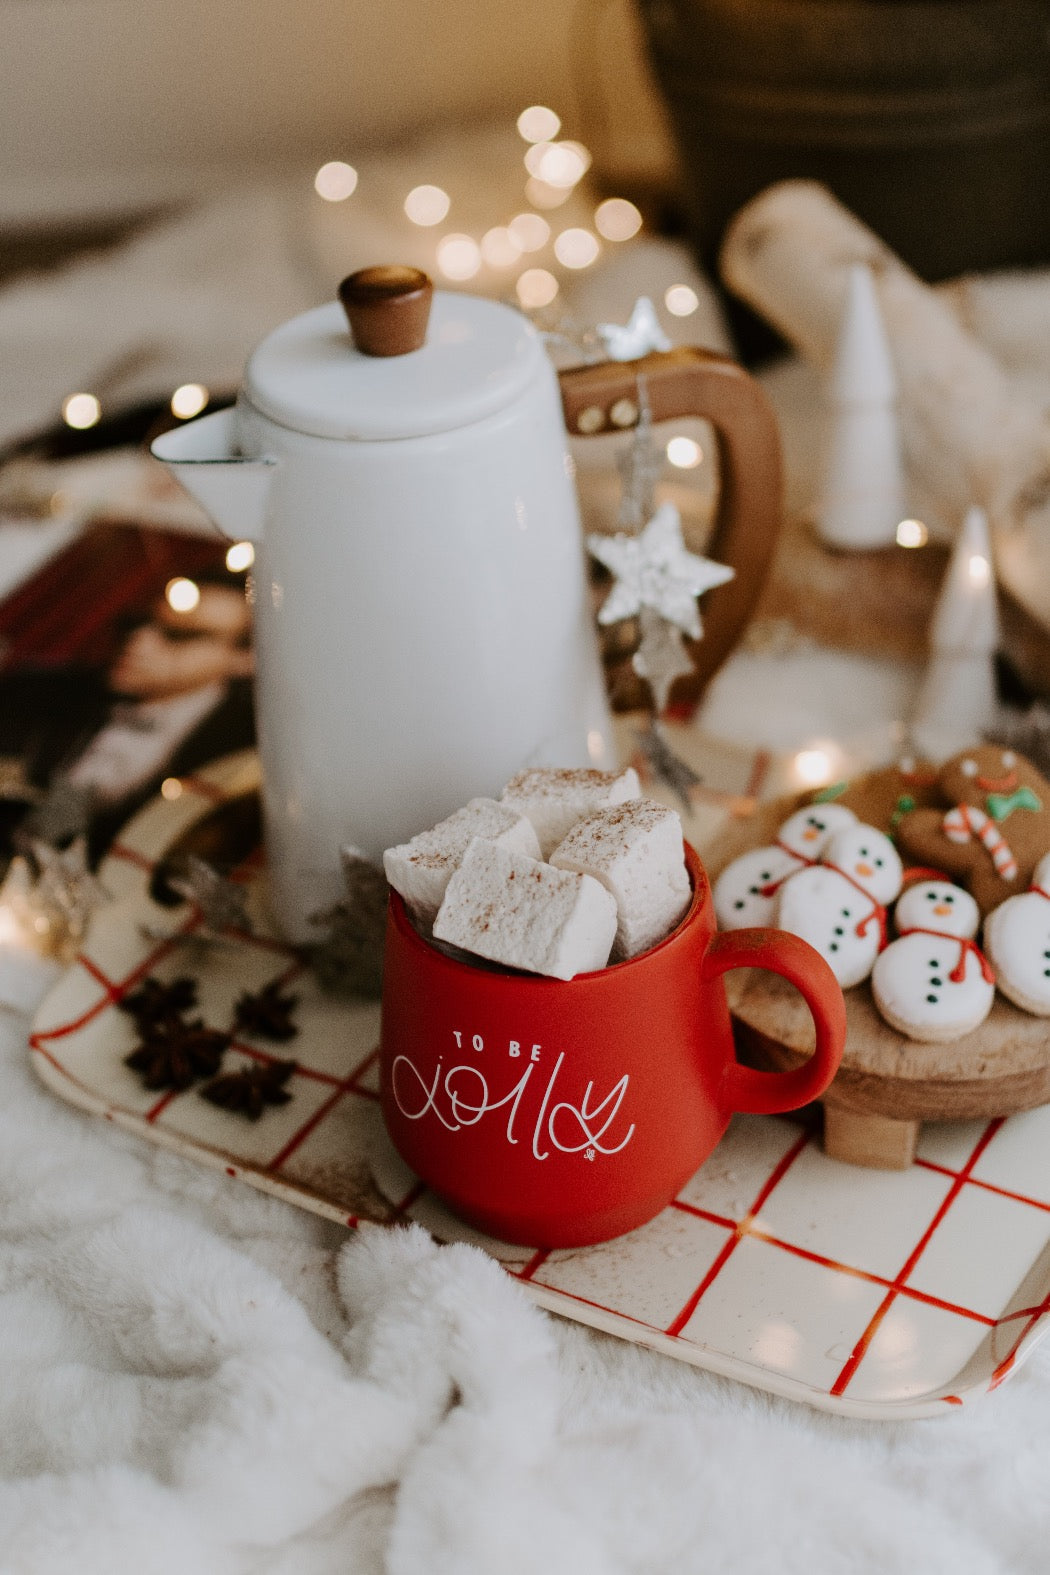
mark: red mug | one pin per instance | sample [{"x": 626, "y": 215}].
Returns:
[{"x": 559, "y": 1113}]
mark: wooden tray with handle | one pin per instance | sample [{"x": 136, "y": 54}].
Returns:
[{"x": 887, "y": 1084}]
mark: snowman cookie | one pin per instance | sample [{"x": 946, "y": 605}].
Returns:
[
  {"x": 933, "y": 982},
  {"x": 745, "y": 894},
  {"x": 1017, "y": 939},
  {"x": 993, "y": 828},
  {"x": 839, "y": 905}
]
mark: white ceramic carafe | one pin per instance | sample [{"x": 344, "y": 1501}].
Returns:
[
  {"x": 421, "y": 614},
  {"x": 422, "y": 620}
]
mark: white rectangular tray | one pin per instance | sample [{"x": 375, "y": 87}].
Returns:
[{"x": 872, "y": 1293}]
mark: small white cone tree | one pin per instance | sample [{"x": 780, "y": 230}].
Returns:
[
  {"x": 861, "y": 498},
  {"x": 956, "y": 701}
]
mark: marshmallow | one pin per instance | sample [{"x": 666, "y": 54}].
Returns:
[
  {"x": 636, "y": 851},
  {"x": 421, "y": 869},
  {"x": 555, "y": 799},
  {"x": 514, "y": 910}
]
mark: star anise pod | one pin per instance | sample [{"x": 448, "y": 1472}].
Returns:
[
  {"x": 174, "y": 1054},
  {"x": 267, "y": 1013},
  {"x": 153, "y": 1001},
  {"x": 251, "y": 1089}
]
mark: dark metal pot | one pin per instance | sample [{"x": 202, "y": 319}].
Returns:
[{"x": 929, "y": 118}]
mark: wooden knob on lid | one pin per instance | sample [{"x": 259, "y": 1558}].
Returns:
[{"x": 387, "y": 308}]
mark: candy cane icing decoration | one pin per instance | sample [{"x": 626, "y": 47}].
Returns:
[{"x": 963, "y": 823}]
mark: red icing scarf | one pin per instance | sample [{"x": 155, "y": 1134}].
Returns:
[
  {"x": 878, "y": 912},
  {"x": 966, "y": 946}
]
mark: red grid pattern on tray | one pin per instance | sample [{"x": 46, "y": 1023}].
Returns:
[
  {"x": 863, "y": 1344},
  {"x": 747, "y": 1226},
  {"x": 740, "y": 1230}
]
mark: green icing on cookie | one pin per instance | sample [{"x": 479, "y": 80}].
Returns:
[{"x": 828, "y": 794}]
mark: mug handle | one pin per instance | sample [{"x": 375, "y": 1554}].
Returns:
[
  {"x": 768, "y": 1093},
  {"x": 691, "y": 382}
]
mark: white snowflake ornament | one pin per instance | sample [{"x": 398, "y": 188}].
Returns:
[{"x": 655, "y": 569}]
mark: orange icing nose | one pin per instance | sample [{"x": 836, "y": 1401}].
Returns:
[
  {"x": 864, "y": 869},
  {"x": 809, "y": 836},
  {"x": 942, "y": 907}
]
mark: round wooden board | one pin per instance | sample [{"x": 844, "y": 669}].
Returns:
[{"x": 887, "y": 1084}]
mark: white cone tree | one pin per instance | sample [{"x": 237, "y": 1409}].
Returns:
[
  {"x": 861, "y": 498},
  {"x": 956, "y": 700}
]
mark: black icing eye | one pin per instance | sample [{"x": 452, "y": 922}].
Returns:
[
  {"x": 931, "y": 896},
  {"x": 878, "y": 864},
  {"x": 863, "y": 853},
  {"x": 948, "y": 897},
  {"x": 765, "y": 875},
  {"x": 811, "y": 820}
]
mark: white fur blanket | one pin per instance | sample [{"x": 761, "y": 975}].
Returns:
[{"x": 197, "y": 1380}]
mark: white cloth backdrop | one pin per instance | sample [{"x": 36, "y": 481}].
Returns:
[{"x": 196, "y": 1378}]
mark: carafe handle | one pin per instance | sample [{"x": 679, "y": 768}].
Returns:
[{"x": 693, "y": 382}]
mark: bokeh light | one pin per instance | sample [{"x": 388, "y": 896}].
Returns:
[
  {"x": 681, "y": 300},
  {"x": 500, "y": 247},
  {"x": 558, "y": 164},
  {"x": 538, "y": 124},
  {"x": 536, "y": 287},
  {"x": 182, "y": 595},
  {"x": 240, "y": 556},
  {"x": 617, "y": 219},
  {"x": 335, "y": 181},
  {"x": 530, "y": 230},
  {"x": 813, "y": 767},
  {"x": 427, "y": 204},
  {"x": 189, "y": 399},
  {"x": 81, "y": 411},
  {"x": 458, "y": 256},
  {"x": 912, "y": 533},
  {"x": 684, "y": 453},
  {"x": 543, "y": 196},
  {"x": 576, "y": 248}
]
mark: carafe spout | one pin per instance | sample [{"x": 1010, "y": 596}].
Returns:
[{"x": 233, "y": 489}]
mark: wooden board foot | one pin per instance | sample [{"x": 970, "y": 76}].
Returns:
[{"x": 877, "y": 1141}]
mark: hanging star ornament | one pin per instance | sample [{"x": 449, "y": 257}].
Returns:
[
  {"x": 655, "y": 569},
  {"x": 635, "y": 338},
  {"x": 661, "y": 656}
]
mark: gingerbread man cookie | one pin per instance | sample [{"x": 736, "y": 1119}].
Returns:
[{"x": 994, "y": 827}]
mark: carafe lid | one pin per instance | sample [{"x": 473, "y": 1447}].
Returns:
[{"x": 311, "y": 375}]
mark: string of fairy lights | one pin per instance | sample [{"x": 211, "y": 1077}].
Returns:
[{"x": 528, "y": 248}]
